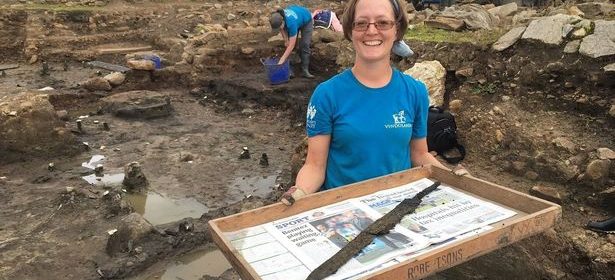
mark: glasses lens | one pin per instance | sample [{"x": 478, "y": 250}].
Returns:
[
  {"x": 384, "y": 24},
  {"x": 360, "y": 25},
  {"x": 380, "y": 25}
]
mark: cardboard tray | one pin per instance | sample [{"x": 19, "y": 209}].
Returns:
[{"x": 534, "y": 216}]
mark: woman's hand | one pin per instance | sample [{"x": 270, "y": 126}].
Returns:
[
  {"x": 292, "y": 194},
  {"x": 459, "y": 170}
]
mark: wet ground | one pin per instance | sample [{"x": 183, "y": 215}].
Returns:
[
  {"x": 191, "y": 160},
  {"x": 191, "y": 266},
  {"x": 56, "y": 221}
]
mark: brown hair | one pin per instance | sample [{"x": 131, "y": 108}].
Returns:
[{"x": 399, "y": 10}]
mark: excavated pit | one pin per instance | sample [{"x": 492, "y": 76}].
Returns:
[{"x": 222, "y": 102}]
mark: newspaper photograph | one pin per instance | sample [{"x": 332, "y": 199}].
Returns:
[
  {"x": 316, "y": 235},
  {"x": 443, "y": 214}
]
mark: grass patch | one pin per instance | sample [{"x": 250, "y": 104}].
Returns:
[{"x": 425, "y": 33}]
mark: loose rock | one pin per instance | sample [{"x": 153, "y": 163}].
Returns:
[
  {"x": 508, "y": 39},
  {"x": 134, "y": 179},
  {"x": 433, "y": 74},
  {"x": 464, "y": 72},
  {"x": 605, "y": 153},
  {"x": 455, "y": 105},
  {"x": 597, "y": 169},
  {"x": 141, "y": 64},
  {"x": 132, "y": 229},
  {"x": 572, "y": 46},
  {"x": 547, "y": 193},
  {"x": 96, "y": 84},
  {"x": 565, "y": 144},
  {"x": 245, "y": 153},
  {"x": 602, "y": 42},
  {"x": 141, "y": 104},
  {"x": 446, "y": 23},
  {"x": 115, "y": 78},
  {"x": 185, "y": 156},
  {"x": 548, "y": 30},
  {"x": 264, "y": 161}
]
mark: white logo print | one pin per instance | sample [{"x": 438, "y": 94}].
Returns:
[
  {"x": 290, "y": 14},
  {"x": 399, "y": 118},
  {"x": 311, "y": 112},
  {"x": 399, "y": 121}
]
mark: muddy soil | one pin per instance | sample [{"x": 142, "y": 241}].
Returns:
[{"x": 55, "y": 224}]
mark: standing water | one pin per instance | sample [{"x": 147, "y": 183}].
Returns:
[
  {"x": 158, "y": 209},
  {"x": 192, "y": 266}
]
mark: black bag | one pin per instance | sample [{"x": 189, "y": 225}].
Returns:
[{"x": 442, "y": 134}]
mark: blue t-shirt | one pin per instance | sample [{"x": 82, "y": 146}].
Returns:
[
  {"x": 296, "y": 17},
  {"x": 370, "y": 128}
]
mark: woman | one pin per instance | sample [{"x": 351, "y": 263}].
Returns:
[
  {"x": 327, "y": 19},
  {"x": 289, "y": 22},
  {"x": 370, "y": 120}
]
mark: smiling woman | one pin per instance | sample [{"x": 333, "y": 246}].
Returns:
[{"x": 370, "y": 120}]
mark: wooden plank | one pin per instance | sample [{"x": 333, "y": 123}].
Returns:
[
  {"x": 466, "y": 250},
  {"x": 8, "y": 66},
  {"x": 505, "y": 196},
  {"x": 237, "y": 261},
  {"x": 124, "y": 50}
]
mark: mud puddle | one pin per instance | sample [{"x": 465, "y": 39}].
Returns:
[
  {"x": 159, "y": 209},
  {"x": 192, "y": 266},
  {"x": 260, "y": 186}
]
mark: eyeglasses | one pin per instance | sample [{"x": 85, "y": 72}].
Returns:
[{"x": 380, "y": 25}]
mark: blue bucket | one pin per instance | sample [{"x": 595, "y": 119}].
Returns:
[
  {"x": 155, "y": 59},
  {"x": 277, "y": 74}
]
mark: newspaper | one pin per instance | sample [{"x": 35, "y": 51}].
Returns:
[
  {"x": 292, "y": 247},
  {"x": 431, "y": 247},
  {"x": 318, "y": 234},
  {"x": 443, "y": 214}
]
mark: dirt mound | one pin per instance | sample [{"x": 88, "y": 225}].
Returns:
[{"x": 29, "y": 126}]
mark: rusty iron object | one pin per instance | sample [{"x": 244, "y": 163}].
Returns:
[{"x": 379, "y": 227}]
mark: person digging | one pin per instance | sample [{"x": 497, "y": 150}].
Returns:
[{"x": 289, "y": 23}]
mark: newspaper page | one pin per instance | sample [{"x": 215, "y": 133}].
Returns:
[
  {"x": 316, "y": 235},
  {"x": 430, "y": 248},
  {"x": 443, "y": 214},
  {"x": 266, "y": 255}
]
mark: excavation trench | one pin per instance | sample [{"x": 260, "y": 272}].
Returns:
[{"x": 222, "y": 102}]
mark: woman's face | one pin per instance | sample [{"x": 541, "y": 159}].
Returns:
[{"x": 373, "y": 45}]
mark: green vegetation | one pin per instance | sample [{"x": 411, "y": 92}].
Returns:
[
  {"x": 424, "y": 33},
  {"x": 485, "y": 89}
]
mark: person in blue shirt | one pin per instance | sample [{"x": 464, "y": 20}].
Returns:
[
  {"x": 369, "y": 120},
  {"x": 290, "y": 22}
]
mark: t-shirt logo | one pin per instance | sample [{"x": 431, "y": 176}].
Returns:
[
  {"x": 290, "y": 14},
  {"x": 399, "y": 118},
  {"x": 311, "y": 112},
  {"x": 399, "y": 121}
]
